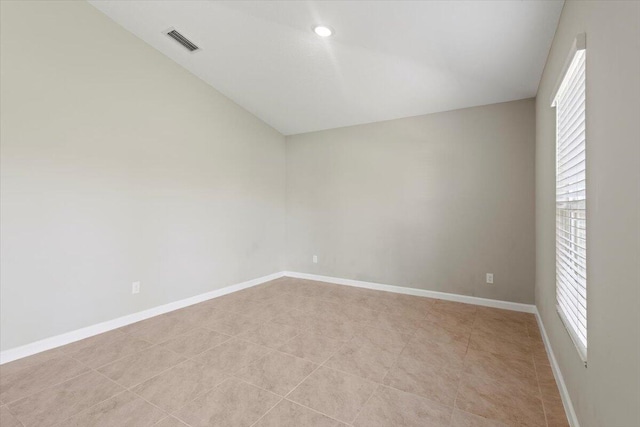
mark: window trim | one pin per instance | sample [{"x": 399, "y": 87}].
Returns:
[{"x": 579, "y": 44}]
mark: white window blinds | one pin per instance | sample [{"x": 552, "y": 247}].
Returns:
[{"x": 571, "y": 219}]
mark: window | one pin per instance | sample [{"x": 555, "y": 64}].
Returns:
[{"x": 571, "y": 201}]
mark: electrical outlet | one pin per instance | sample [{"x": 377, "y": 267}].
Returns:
[
  {"x": 135, "y": 288},
  {"x": 490, "y": 278},
  {"x": 315, "y": 259}
]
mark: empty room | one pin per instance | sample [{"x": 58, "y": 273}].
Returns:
[{"x": 320, "y": 213}]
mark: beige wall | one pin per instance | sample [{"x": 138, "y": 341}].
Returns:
[
  {"x": 119, "y": 165},
  {"x": 607, "y": 393},
  {"x": 432, "y": 202}
]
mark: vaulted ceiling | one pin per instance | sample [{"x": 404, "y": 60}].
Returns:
[{"x": 385, "y": 60}]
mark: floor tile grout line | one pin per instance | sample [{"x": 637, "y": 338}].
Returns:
[
  {"x": 130, "y": 390},
  {"x": 228, "y": 375},
  {"x": 455, "y": 400},
  {"x": 187, "y": 358},
  {"x": 265, "y": 414},
  {"x": 320, "y": 365},
  {"x": 337, "y": 370},
  {"x": 287, "y": 399},
  {"x": 544, "y": 408},
  {"x": 365, "y": 404},
  {"x": 123, "y": 390},
  {"x": 59, "y": 423},
  {"x": 314, "y": 410},
  {"x": 5, "y": 406},
  {"x": 174, "y": 413},
  {"x": 51, "y": 386},
  {"x": 151, "y": 345},
  {"x": 311, "y": 373}
]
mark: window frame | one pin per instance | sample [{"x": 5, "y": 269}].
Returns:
[{"x": 579, "y": 45}]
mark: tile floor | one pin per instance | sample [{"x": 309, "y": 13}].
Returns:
[{"x": 295, "y": 353}]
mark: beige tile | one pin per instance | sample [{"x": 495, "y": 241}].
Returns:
[
  {"x": 437, "y": 353},
  {"x": 417, "y": 303},
  {"x": 294, "y": 318},
  {"x": 195, "y": 342},
  {"x": 389, "y": 407},
  {"x": 500, "y": 401},
  {"x": 311, "y": 346},
  {"x": 507, "y": 329},
  {"x": 501, "y": 368},
  {"x": 418, "y": 347},
  {"x": 460, "y": 308},
  {"x": 20, "y": 383},
  {"x": 201, "y": 314},
  {"x": 350, "y": 294},
  {"x": 125, "y": 409},
  {"x": 277, "y": 372},
  {"x": 232, "y": 355},
  {"x": 504, "y": 315},
  {"x": 159, "y": 329},
  {"x": 547, "y": 383},
  {"x": 379, "y": 302},
  {"x": 290, "y": 302},
  {"x": 100, "y": 353},
  {"x": 540, "y": 356},
  {"x": 174, "y": 388},
  {"x": 397, "y": 322},
  {"x": 265, "y": 292},
  {"x": 289, "y": 414},
  {"x": 534, "y": 332},
  {"x": 30, "y": 361},
  {"x": 62, "y": 401},
  {"x": 141, "y": 366},
  {"x": 412, "y": 375},
  {"x": 342, "y": 330},
  {"x": 232, "y": 403},
  {"x": 446, "y": 332},
  {"x": 264, "y": 312},
  {"x": 170, "y": 422},
  {"x": 270, "y": 334},
  {"x": 462, "y": 321},
  {"x": 465, "y": 419},
  {"x": 391, "y": 341},
  {"x": 322, "y": 307},
  {"x": 364, "y": 360},
  {"x": 233, "y": 324},
  {"x": 355, "y": 313},
  {"x": 94, "y": 341},
  {"x": 336, "y": 394},
  {"x": 556, "y": 415},
  {"x": 7, "y": 419},
  {"x": 545, "y": 374},
  {"x": 497, "y": 344}
]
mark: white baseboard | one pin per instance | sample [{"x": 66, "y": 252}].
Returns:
[
  {"x": 79, "y": 334},
  {"x": 562, "y": 387},
  {"x": 506, "y": 305}
]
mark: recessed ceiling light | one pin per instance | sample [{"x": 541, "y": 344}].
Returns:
[{"x": 322, "y": 31}]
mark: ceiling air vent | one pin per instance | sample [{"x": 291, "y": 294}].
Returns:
[{"x": 191, "y": 47}]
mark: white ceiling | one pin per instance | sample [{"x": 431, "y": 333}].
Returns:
[{"x": 386, "y": 60}]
